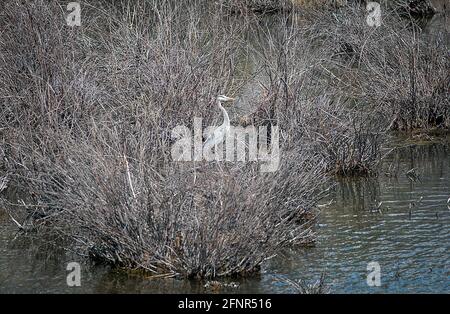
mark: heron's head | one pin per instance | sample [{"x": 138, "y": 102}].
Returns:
[{"x": 225, "y": 99}]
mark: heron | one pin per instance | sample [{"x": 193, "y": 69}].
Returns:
[{"x": 218, "y": 135}]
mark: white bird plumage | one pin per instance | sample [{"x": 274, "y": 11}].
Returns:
[{"x": 218, "y": 135}]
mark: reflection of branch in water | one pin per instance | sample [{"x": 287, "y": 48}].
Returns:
[
  {"x": 413, "y": 204},
  {"x": 376, "y": 208},
  {"x": 412, "y": 175},
  {"x": 301, "y": 287},
  {"x": 326, "y": 204}
]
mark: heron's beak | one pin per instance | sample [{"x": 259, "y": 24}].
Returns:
[
  {"x": 225, "y": 99},
  {"x": 229, "y": 100}
]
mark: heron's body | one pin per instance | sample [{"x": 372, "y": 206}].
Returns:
[{"x": 219, "y": 134}]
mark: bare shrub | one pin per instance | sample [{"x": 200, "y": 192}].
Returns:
[
  {"x": 349, "y": 140},
  {"x": 314, "y": 115},
  {"x": 392, "y": 67},
  {"x": 89, "y": 141},
  {"x": 179, "y": 220}
]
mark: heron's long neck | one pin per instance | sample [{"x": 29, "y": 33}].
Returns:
[{"x": 226, "y": 119}]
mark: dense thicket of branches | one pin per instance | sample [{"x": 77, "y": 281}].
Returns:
[{"x": 87, "y": 114}]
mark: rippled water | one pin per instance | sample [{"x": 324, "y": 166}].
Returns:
[{"x": 412, "y": 249}]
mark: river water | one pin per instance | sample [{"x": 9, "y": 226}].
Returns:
[{"x": 410, "y": 242}]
